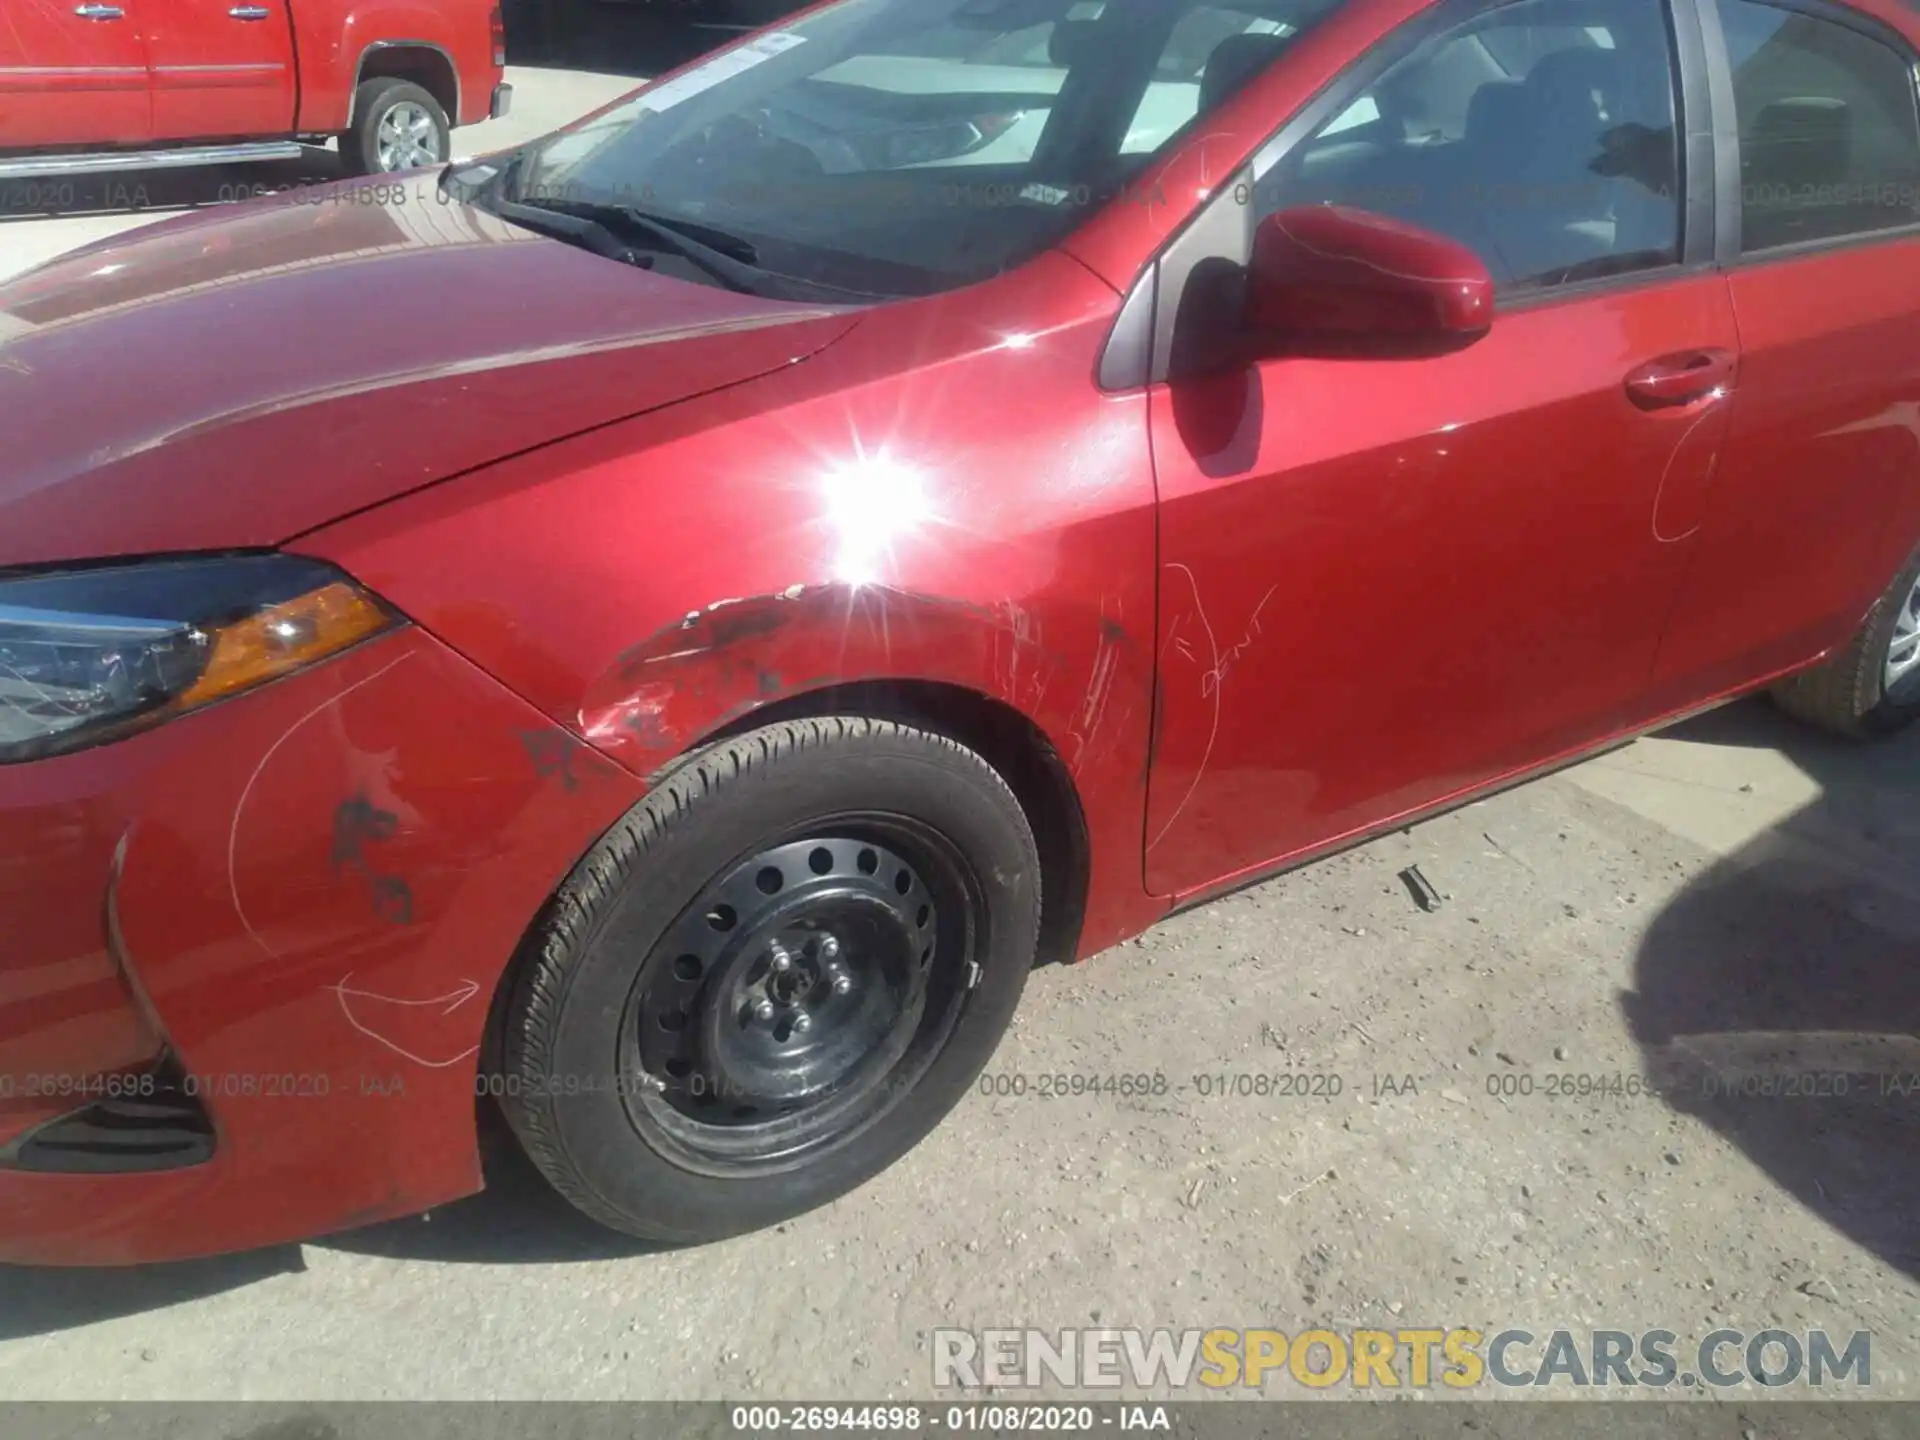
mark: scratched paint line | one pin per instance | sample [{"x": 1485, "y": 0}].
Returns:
[
  {"x": 677, "y": 655},
  {"x": 1213, "y": 731},
  {"x": 1093, "y": 708},
  {"x": 452, "y": 1000},
  {"x": 117, "y": 938},
  {"x": 1713, "y": 463},
  {"x": 1099, "y": 688},
  {"x": 233, "y": 829},
  {"x": 1102, "y": 661}
]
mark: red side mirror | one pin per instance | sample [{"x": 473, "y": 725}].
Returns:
[{"x": 1329, "y": 273}]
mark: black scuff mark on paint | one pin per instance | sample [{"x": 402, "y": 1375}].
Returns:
[
  {"x": 552, "y": 753},
  {"x": 358, "y": 823}
]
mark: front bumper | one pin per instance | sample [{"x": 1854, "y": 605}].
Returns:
[
  {"x": 300, "y": 901},
  {"x": 502, "y": 101}
]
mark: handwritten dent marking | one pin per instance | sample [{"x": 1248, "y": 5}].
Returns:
[
  {"x": 451, "y": 1001},
  {"x": 233, "y": 829},
  {"x": 1213, "y": 732},
  {"x": 1713, "y": 464},
  {"x": 1211, "y": 681}
]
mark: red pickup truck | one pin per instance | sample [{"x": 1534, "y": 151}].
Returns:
[{"x": 90, "y": 85}]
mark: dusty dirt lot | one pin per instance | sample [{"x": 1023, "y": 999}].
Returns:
[{"x": 1734, "y": 880}]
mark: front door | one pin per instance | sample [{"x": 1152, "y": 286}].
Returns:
[
  {"x": 1386, "y": 581},
  {"x": 72, "y": 72}
]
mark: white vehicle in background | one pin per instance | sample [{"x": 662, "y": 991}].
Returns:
[{"x": 983, "y": 99}]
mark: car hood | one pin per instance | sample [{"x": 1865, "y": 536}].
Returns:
[{"x": 230, "y": 380}]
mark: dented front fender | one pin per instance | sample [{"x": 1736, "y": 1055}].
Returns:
[{"x": 946, "y": 499}]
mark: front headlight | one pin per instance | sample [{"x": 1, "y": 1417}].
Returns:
[{"x": 88, "y": 655}]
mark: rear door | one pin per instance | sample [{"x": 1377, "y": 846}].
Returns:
[
  {"x": 1818, "y": 503},
  {"x": 221, "y": 68},
  {"x": 72, "y": 72}
]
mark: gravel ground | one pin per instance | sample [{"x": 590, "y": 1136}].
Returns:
[
  {"x": 1734, "y": 881},
  {"x": 1733, "y": 892}
]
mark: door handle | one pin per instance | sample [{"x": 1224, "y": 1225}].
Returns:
[
  {"x": 95, "y": 11},
  {"x": 1682, "y": 378},
  {"x": 249, "y": 12}
]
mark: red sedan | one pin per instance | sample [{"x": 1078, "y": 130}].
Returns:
[{"x": 656, "y": 632}]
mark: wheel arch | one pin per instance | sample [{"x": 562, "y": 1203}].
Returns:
[
  {"x": 1008, "y": 740},
  {"x": 424, "y": 62}
]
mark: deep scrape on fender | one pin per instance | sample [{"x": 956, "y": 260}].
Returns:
[{"x": 715, "y": 665}]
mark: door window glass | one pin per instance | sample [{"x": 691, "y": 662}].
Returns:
[
  {"x": 1539, "y": 134},
  {"x": 1829, "y": 135}
]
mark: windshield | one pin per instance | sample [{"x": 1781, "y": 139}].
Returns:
[{"x": 903, "y": 147}]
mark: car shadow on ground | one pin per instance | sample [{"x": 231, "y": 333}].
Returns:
[
  {"x": 517, "y": 1220},
  {"x": 1779, "y": 994},
  {"x": 37, "y": 1300},
  {"x": 626, "y": 37}
]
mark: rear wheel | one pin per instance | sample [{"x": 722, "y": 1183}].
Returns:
[
  {"x": 772, "y": 979},
  {"x": 397, "y": 125},
  {"x": 1872, "y": 687}
]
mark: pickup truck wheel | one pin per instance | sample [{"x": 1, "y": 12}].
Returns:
[
  {"x": 396, "y": 126},
  {"x": 772, "y": 978},
  {"x": 1872, "y": 688}
]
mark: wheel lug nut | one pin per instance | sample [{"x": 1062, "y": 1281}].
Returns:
[
  {"x": 782, "y": 961},
  {"x": 764, "y": 1010},
  {"x": 802, "y": 1023},
  {"x": 829, "y": 948},
  {"x": 841, "y": 984}
]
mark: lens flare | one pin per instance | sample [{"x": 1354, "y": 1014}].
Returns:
[{"x": 872, "y": 503}]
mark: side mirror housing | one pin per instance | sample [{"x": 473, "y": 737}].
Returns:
[{"x": 1330, "y": 278}]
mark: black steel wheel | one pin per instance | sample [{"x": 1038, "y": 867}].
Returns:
[
  {"x": 772, "y": 978},
  {"x": 798, "y": 995}
]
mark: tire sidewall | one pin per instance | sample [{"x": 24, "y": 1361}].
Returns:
[
  {"x": 897, "y": 772},
  {"x": 1884, "y": 714}
]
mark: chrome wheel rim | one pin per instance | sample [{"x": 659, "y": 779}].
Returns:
[
  {"x": 407, "y": 138},
  {"x": 1902, "y": 680}
]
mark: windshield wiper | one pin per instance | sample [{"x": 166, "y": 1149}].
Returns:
[
  {"x": 736, "y": 247},
  {"x": 727, "y": 258},
  {"x": 585, "y": 231}
]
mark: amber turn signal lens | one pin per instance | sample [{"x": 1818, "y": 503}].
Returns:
[{"x": 284, "y": 637}]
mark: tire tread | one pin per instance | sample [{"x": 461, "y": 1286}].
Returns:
[
  {"x": 559, "y": 945},
  {"x": 1842, "y": 695}
]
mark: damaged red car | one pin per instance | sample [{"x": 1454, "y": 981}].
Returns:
[{"x": 655, "y": 633}]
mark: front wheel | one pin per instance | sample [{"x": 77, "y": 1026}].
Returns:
[
  {"x": 396, "y": 126},
  {"x": 772, "y": 978},
  {"x": 1871, "y": 688}
]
